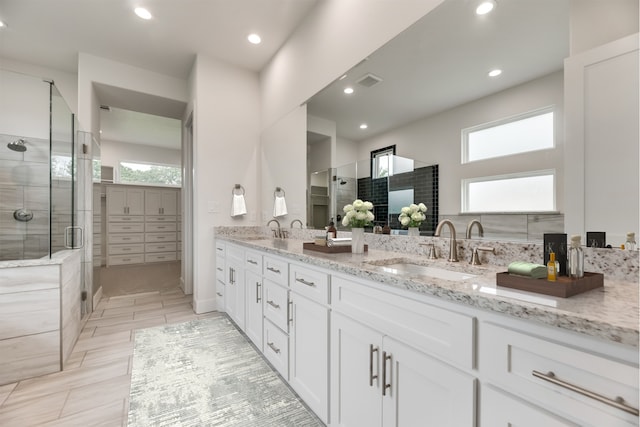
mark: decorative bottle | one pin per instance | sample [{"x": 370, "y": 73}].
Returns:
[
  {"x": 332, "y": 233},
  {"x": 552, "y": 271},
  {"x": 630, "y": 244},
  {"x": 576, "y": 258}
]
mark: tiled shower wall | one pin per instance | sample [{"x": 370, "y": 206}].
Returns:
[{"x": 24, "y": 184}]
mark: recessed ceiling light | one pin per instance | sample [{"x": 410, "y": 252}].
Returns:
[
  {"x": 254, "y": 38},
  {"x": 485, "y": 7},
  {"x": 364, "y": 126},
  {"x": 348, "y": 90},
  {"x": 3, "y": 25},
  {"x": 142, "y": 13},
  {"x": 495, "y": 73}
]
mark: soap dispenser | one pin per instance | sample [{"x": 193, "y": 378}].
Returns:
[
  {"x": 630, "y": 244},
  {"x": 552, "y": 270},
  {"x": 576, "y": 258}
]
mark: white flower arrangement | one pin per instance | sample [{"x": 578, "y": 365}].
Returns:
[
  {"x": 412, "y": 215},
  {"x": 358, "y": 214}
]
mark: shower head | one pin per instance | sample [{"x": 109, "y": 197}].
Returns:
[
  {"x": 342, "y": 181},
  {"x": 18, "y": 145}
]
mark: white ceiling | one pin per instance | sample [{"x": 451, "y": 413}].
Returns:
[
  {"x": 442, "y": 61},
  {"x": 51, "y": 33}
]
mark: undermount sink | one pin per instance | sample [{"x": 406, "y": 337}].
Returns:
[{"x": 409, "y": 269}]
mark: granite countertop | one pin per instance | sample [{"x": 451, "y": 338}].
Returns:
[{"x": 610, "y": 313}]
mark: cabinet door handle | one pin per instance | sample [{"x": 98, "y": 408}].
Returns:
[
  {"x": 372, "y": 377},
  {"x": 304, "y": 282},
  {"x": 290, "y": 311},
  {"x": 385, "y": 386},
  {"x": 275, "y": 270},
  {"x": 250, "y": 261},
  {"x": 273, "y": 304},
  {"x": 618, "y": 402},
  {"x": 273, "y": 347},
  {"x": 258, "y": 285}
]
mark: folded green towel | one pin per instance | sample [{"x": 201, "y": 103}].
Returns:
[{"x": 528, "y": 269}]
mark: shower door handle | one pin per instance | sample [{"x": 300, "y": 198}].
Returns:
[{"x": 68, "y": 231}]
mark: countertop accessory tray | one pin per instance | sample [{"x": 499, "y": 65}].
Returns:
[
  {"x": 329, "y": 249},
  {"x": 563, "y": 287}
]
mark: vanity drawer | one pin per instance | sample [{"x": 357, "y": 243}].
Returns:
[
  {"x": 253, "y": 261},
  {"x": 220, "y": 268},
  {"x": 160, "y": 237},
  {"x": 235, "y": 252},
  {"x": 276, "y": 269},
  {"x": 126, "y": 218},
  {"x": 276, "y": 304},
  {"x": 160, "y": 218},
  {"x": 220, "y": 291},
  {"x": 276, "y": 348},
  {"x": 159, "y": 226},
  {"x": 309, "y": 283},
  {"x": 447, "y": 335},
  {"x": 220, "y": 248},
  {"x": 117, "y": 227},
  {"x": 160, "y": 247},
  {"x": 125, "y": 259},
  {"x": 126, "y": 249},
  {"x": 160, "y": 257},
  {"x": 125, "y": 238},
  {"x": 522, "y": 364}
]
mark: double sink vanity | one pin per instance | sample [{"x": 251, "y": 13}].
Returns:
[{"x": 390, "y": 337}]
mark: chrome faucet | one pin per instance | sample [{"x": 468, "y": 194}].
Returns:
[
  {"x": 294, "y": 221},
  {"x": 470, "y": 226},
  {"x": 453, "y": 250},
  {"x": 276, "y": 233}
]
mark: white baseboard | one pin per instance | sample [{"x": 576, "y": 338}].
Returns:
[
  {"x": 204, "y": 306},
  {"x": 96, "y": 298}
]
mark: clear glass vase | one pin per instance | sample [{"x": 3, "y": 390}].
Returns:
[
  {"x": 357, "y": 240},
  {"x": 413, "y": 231}
]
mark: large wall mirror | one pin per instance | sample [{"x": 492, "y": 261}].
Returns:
[{"x": 423, "y": 88}]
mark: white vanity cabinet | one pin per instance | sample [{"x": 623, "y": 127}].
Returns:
[
  {"x": 277, "y": 311},
  {"x": 309, "y": 337},
  {"x": 385, "y": 360},
  {"x": 253, "y": 297},
  {"x": 575, "y": 381},
  {"x": 235, "y": 285},
  {"x": 220, "y": 275}
]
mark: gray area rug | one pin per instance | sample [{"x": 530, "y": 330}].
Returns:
[{"x": 205, "y": 373}]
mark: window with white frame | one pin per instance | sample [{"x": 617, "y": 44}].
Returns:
[
  {"x": 382, "y": 162},
  {"x": 149, "y": 173},
  {"x": 521, "y": 192},
  {"x": 526, "y": 132}
]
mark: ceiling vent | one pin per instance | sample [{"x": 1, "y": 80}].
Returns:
[{"x": 369, "y": 80}]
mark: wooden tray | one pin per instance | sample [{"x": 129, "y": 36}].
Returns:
[
  {"x": 563, "y": 287},
  {"x": 329, "y": 249}
]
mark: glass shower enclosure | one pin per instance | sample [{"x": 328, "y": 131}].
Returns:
[{"x": 38, "y": 183}]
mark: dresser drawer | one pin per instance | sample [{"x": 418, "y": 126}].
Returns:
[
  {"x": 117, "y": 227},
  {"x": 276, "y": 269},
  {"x": 125, "y": 259},
  {"x": 160, "y": 247},
  {"x": 536, "y": 368},
  {"x": 126, "y": 218},
  {"x": 276, "y": 304},
  {"x": 309, "y": 283},
  {"x": 160, "y": 257},
  {"x": 159, "y": 237},
  {"x": 159, "y": 226},
  {"x": 125, "y": 238},
  {"x": 220, "y": 268},
  {"x": 160, "y": 218},
  {"x": 445, "y": 334},
  {"x": 253, "y": 261},
  {"x": 276, "y": 348},
  {"x": 126, "y": 249}
]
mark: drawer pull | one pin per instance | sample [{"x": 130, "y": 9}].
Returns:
[
  {"x": 372, "y": 377},
  {"x": 275, "y": 270},
  {"x": 250, "y": 261},
  {"x": 219, "y": 294},
  {"x": 219, "y": 269},
  {"x": 385, "y": 386},
  {"x": 220, "y": 249},
  {"x": 273, "y": 347},
  {"x": 126, "y": 238},
  {"x": 126, "y": 228},
  {"x": 126, "y": 249},
  {"x": 126, "y": 259},
  {"x": 304, "y": 282},
  {"x": 273, "y": 304},
  {"x": 618, "y": 402}
]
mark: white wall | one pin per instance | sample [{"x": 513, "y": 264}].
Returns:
[
  {"x": 437, "y": 139},
  {"x": 346, "y": 151},
  {"x": 226, "y": 143},
  {"x": 114, "y": 152},
  {"x": 24, "y": 106}
]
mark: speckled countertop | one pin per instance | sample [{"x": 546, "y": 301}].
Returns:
[{"x": 610, "y": 313}]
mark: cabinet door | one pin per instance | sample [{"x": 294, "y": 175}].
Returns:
[
  {"x": 234, "y": 298},
  {"x": 422, "y": 391},
  {"x": 253, "y": 306},
  {"x": 116, "y": 201},
  {"x": 309, "y": 354},
  {"x": 169, "y": 202},
  {"x": 355, "y": 374},
  {"x": 152, "y": 202},
  {"x": 502, "y": 410},
  {"x": 135, "y": 201}
]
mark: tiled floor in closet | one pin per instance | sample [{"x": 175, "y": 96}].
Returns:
[{"x": 94, "y": 389}]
